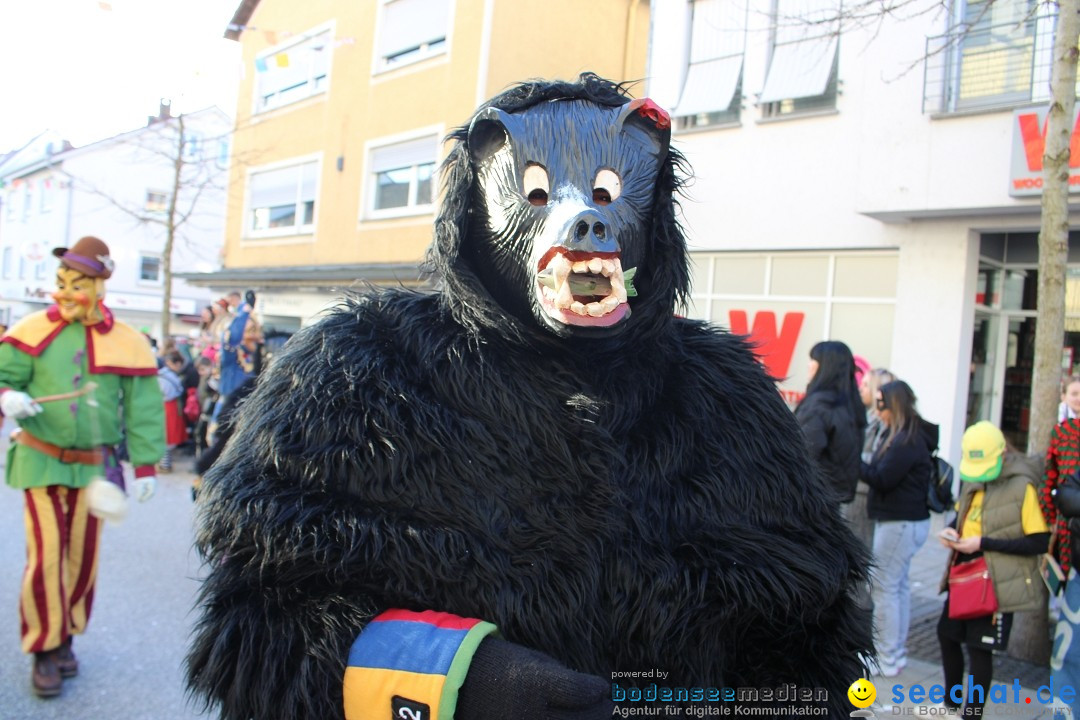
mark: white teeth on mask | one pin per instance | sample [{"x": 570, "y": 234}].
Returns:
[
  {"x": 564, "y": 297},
  {"x": 599, "y": 281},
  {"x": 618, "y": 289}
]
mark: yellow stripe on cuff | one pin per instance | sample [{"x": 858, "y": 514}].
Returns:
[{"x": 368, "y": 691}]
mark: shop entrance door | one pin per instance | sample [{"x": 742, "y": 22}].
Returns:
[
  {"x": 986, "y": 382},
  {"x": 1018, "y": 345},
  {"x": 1002, "y": 358}
]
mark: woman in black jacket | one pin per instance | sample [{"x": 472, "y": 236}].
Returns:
[
  {"x": 898, "y": 475},
  {"x": 832, "y": 417}
]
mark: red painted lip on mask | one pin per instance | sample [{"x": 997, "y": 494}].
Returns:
[{"x": 573, "y": 256}]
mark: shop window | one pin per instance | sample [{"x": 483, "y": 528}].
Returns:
[
  {"x": 738, "y": 275},
  {"x": 865, "y": 276},
  {"x": 712, "y": 91},
  {"x": 799, "y": 275},
  {"x": 802, "y": 74},
  {"x": 411, "y": 30},
  {"x": 7, "y": 259},
  {"x": 282, "y": 200},
  {"x": 786, "y": 303},
  {"x": 402, "y": 177},
  {"x": 293, "y": 72}
]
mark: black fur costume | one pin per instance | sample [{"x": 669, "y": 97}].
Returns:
[{"x": 620, "y": 498}]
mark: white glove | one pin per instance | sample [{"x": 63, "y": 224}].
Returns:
[
  {"x": 143, "y": 488},
  {"x": 18, "y": 405}
]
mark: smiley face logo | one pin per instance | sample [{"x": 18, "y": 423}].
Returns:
[{"x": 862, "y": 693}]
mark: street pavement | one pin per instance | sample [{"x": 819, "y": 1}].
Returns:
[{"x": 131, "y": 657}]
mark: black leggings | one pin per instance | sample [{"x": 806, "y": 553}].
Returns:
[{"x": 982, "y": 669}]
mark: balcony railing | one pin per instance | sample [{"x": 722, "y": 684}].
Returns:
[{"x": 987, "y": 68}]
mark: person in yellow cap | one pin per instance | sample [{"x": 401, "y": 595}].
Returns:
[
  {"x": 100, "y": 372},
  {"x": 998, "y": 518}
]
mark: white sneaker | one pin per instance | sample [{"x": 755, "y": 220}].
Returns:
[{"x": 890, "y": 671}]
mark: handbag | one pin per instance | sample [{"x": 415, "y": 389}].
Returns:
[{"x": 971, "y": 590}]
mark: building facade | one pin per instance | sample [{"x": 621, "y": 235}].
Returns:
[
  {"x": 120, "y": 190},
  {"x": 873, "y": 182},
  {"x": 342, "y": 111}
]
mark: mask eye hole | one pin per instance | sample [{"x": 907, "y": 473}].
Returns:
[
  {"x": 535, "y": 184},
  {"x": 607, "y": 187}
]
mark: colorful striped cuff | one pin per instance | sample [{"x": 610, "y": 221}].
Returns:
[{"x": 414, "y": 661}]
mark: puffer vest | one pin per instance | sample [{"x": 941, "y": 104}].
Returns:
[{"x": 1015, "y": 577}]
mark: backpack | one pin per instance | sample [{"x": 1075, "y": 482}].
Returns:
[{"x": 939, "y": 495}]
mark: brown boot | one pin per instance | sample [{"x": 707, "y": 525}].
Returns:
[
  {"x": 46, "y": 675},
  {"x": 65, "y": 660}
]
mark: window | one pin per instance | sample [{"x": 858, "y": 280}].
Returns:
[
  {"x": 28, "y": 198},
  {"x": 282, "y": 200},
  {"x": 803, "y": 63},
  {"x": 412, "y": 30},
  {"x": 6, "y": 263},
  {"x": 192, "y": 149},
  {"x": 156, "y": 201},
  {"x": 40, "y": 270},
  {"x": 712, "y": 91},
  {"x": 402, "y": 176},
  {"x": 998, "y": 56},
  {"x": 293, "y": 73},
  {"x": 223, "y": 153},
  {"x": 149, "y": 269}
]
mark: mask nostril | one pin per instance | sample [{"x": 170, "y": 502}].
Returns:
[
  {"x": 598, "y": 230},
  {"x": 581, "y": 229}
]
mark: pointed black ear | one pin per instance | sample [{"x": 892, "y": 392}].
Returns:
[
  {"x": 487, "y": 133},
  {"x": 646, "y": 116}
]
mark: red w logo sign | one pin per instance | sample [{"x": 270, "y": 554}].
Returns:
[
  {"x": 773, "y": 350},
  {"x": 1035, "y": 142}
]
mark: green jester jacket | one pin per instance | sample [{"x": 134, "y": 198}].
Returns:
[{"x": 44, "y": 355}]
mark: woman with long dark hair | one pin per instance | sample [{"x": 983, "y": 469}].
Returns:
[
  {"x": 832, "y": 418},
  {"x": 898, "y": 473}
]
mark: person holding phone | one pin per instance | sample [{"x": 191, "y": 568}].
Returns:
[
  {"x": 999, "y": 518},
  {"x": 897, "y": 474}
]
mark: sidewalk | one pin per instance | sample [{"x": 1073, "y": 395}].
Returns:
[{"x": 924, "y": 661}]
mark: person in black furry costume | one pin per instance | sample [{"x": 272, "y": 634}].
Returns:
[{"x": 615, "y": 488}]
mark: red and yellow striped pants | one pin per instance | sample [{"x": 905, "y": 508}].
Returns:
[{"x": 62, "y": 540}]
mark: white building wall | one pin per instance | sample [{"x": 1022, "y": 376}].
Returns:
[{"x": 827, "y": 182}]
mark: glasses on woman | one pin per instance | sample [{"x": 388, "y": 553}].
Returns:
[{"x": 880, "y": 402}]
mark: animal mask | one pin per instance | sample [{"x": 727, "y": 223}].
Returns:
[{"x": 565, "y": 193}]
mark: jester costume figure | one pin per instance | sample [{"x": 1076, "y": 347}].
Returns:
[
  {"x": 535, "y": 493},
  {"x": 62, "y": 444}
]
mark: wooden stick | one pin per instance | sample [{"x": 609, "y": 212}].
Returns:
[{"x": 84, "y": 390}]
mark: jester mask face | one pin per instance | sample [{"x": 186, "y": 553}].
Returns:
[
  {"x": 565, "y": 193},
  {"x": 77, "y": 296}
]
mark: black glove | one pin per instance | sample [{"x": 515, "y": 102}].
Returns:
[
  {"x": 511, "y": 681},
  {"x": 249, "y": 298}
]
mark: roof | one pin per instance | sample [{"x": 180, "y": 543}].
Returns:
[
  {"x": 240, "y": 19},
  {"x": 310, "y": 276}
]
